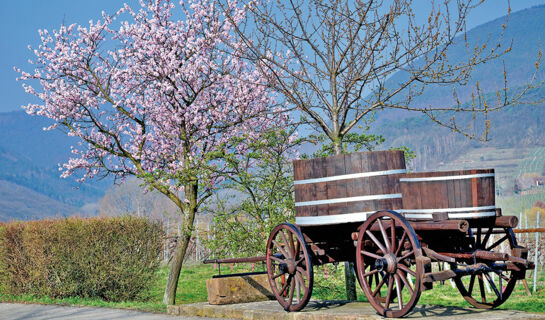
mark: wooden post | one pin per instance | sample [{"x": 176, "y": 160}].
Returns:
[
  {"x": 536, "y": 269},
  {"x": 525, "y": 283},
  {"x": 350, "y": 281}
]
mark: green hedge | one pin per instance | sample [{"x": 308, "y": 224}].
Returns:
[{"x": 114, "y": 259}]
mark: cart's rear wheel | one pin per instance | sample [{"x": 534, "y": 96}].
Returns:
[
  {"x": 487, "y": 290},
  {"x": 289, "y": 267},
  {"x": 389, "y": 267}
]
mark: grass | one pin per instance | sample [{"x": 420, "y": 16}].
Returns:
[
  {"x": 192, "y": 288},
  {"x": 332, "y": 288}
]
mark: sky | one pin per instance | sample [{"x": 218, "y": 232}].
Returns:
[{"x": 21, "y": 19}]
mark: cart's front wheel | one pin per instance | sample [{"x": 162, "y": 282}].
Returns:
[
  {"x": 289, "y": 267},
  {"x": 389, "y": 267}
]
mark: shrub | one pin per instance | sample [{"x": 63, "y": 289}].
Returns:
[{"x": 111, "y": 258}]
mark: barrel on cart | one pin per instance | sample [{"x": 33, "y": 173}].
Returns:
[{"x": 396, "y": 226}]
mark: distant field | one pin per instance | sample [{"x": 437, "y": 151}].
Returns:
[
  {"x": 515, "y": 204},
  {"x": 509, "y": 164},
  {"x": 534, "y": 162}
]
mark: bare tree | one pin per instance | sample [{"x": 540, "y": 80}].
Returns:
[{"x": 334, "y": 60}]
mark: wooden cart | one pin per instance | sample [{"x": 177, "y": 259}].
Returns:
[{"x": 365, "y": 208}]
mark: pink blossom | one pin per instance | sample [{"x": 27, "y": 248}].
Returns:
[{"x": 151, "y": 92}]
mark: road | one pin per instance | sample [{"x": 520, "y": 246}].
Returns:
[{"x": 16, "y": 311}]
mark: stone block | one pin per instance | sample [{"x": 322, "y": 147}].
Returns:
[{"x": 239, "y": 289}]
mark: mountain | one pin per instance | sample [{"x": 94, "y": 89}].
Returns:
[
  {"x": 30, "y": 186},
  {"x": 523, "y": 34},
  {"x": 29, "y": 158},
  {"x": 516, "y": 126}
]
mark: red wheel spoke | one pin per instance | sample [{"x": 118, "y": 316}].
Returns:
[
  {"x": 486, "y": 237},
  {"x": 405, "y": 256},
  {"x": 400, "y": 244},
  {"x": 375, "y": 240},
  {"x": 380, "y": 284},
  {"x": 372, "y": 272},
  {"x": 277, "y": 259},
  {"x": 369, "y": 254},
  {"x": 287, "y": 243},
  {"x": 303, "y": 271},
  {"x": 398, "y": 290},
  {"x": 286, "y": 284},
  {"x": 278, "y": 275},
  {"x": 405, "y": 281},
  {"x": 393, "y": 234},
  {"x": 301, "y": 281},
  {"x": 389, "y": 294},
  {"x": 406, "y": 269},
  {"x": 384, "y": 236},
  {"x": 495, "y": 244},
  {"x": 297, "y": 289},
  {"x": 481, "y": 286},
  {"x": 281, "y": 249},
  {"x": 479, "y": 238},
  {"x": 292, "y": 289},
  {"x": 471, "y": 283},
  {"x": 493, "y": 285}
]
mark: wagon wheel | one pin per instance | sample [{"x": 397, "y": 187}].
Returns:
[
  {"x": 289, "y": 267},
  {"x": 388, "y": 261},
  {"x": 487, "y": 290}
]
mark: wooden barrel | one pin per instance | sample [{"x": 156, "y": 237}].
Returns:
[
  {"x": 345, "y": 188},
  {"x": 460, "y": 194}
]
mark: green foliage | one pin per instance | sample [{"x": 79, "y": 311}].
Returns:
[
  {"x": 407, "y": 152},
  {"x": 351, "y": 142},
  {"x": 258, "y": 197},
  {"x": 109, "y": 258}
]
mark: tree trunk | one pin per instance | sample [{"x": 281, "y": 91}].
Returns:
[
  {"x": 349, "y": 276},
  {"x": 169, "y": 298}
]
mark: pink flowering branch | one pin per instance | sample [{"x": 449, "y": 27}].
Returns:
[{"x": 153, "y": 93}]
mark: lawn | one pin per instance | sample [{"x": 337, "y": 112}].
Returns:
[{"x": 193, "y": 289}]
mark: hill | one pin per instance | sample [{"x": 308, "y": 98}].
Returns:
[
  {"x": 519, "y": 126},
  {"x": 29, "y": 158},
  {"x": 21, "y": 203},
  {"x": 523, "y": 34}
]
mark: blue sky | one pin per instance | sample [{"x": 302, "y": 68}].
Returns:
[{"x": 20, "y": 20}]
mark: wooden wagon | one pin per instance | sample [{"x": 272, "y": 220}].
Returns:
[{"x": 365, "y": 208}]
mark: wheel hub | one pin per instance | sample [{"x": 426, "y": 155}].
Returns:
[
  {"x": 289, "y": 266},
  {"x": 387, "y": 263}
]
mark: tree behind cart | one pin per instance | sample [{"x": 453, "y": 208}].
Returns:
[{"x": 333, "y": 62}]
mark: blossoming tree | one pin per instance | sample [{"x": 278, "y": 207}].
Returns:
[{"x": 152, "y": 93}]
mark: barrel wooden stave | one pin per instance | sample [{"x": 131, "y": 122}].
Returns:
[
  {"x": 474, "y": 190},
  {"x": 347, "y": 188}
]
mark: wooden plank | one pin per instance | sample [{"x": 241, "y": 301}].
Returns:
[
  {"x": 354, "y": 187},
  {"x": 451, "y": 199},
  {"x": 336, "y": 189}
]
